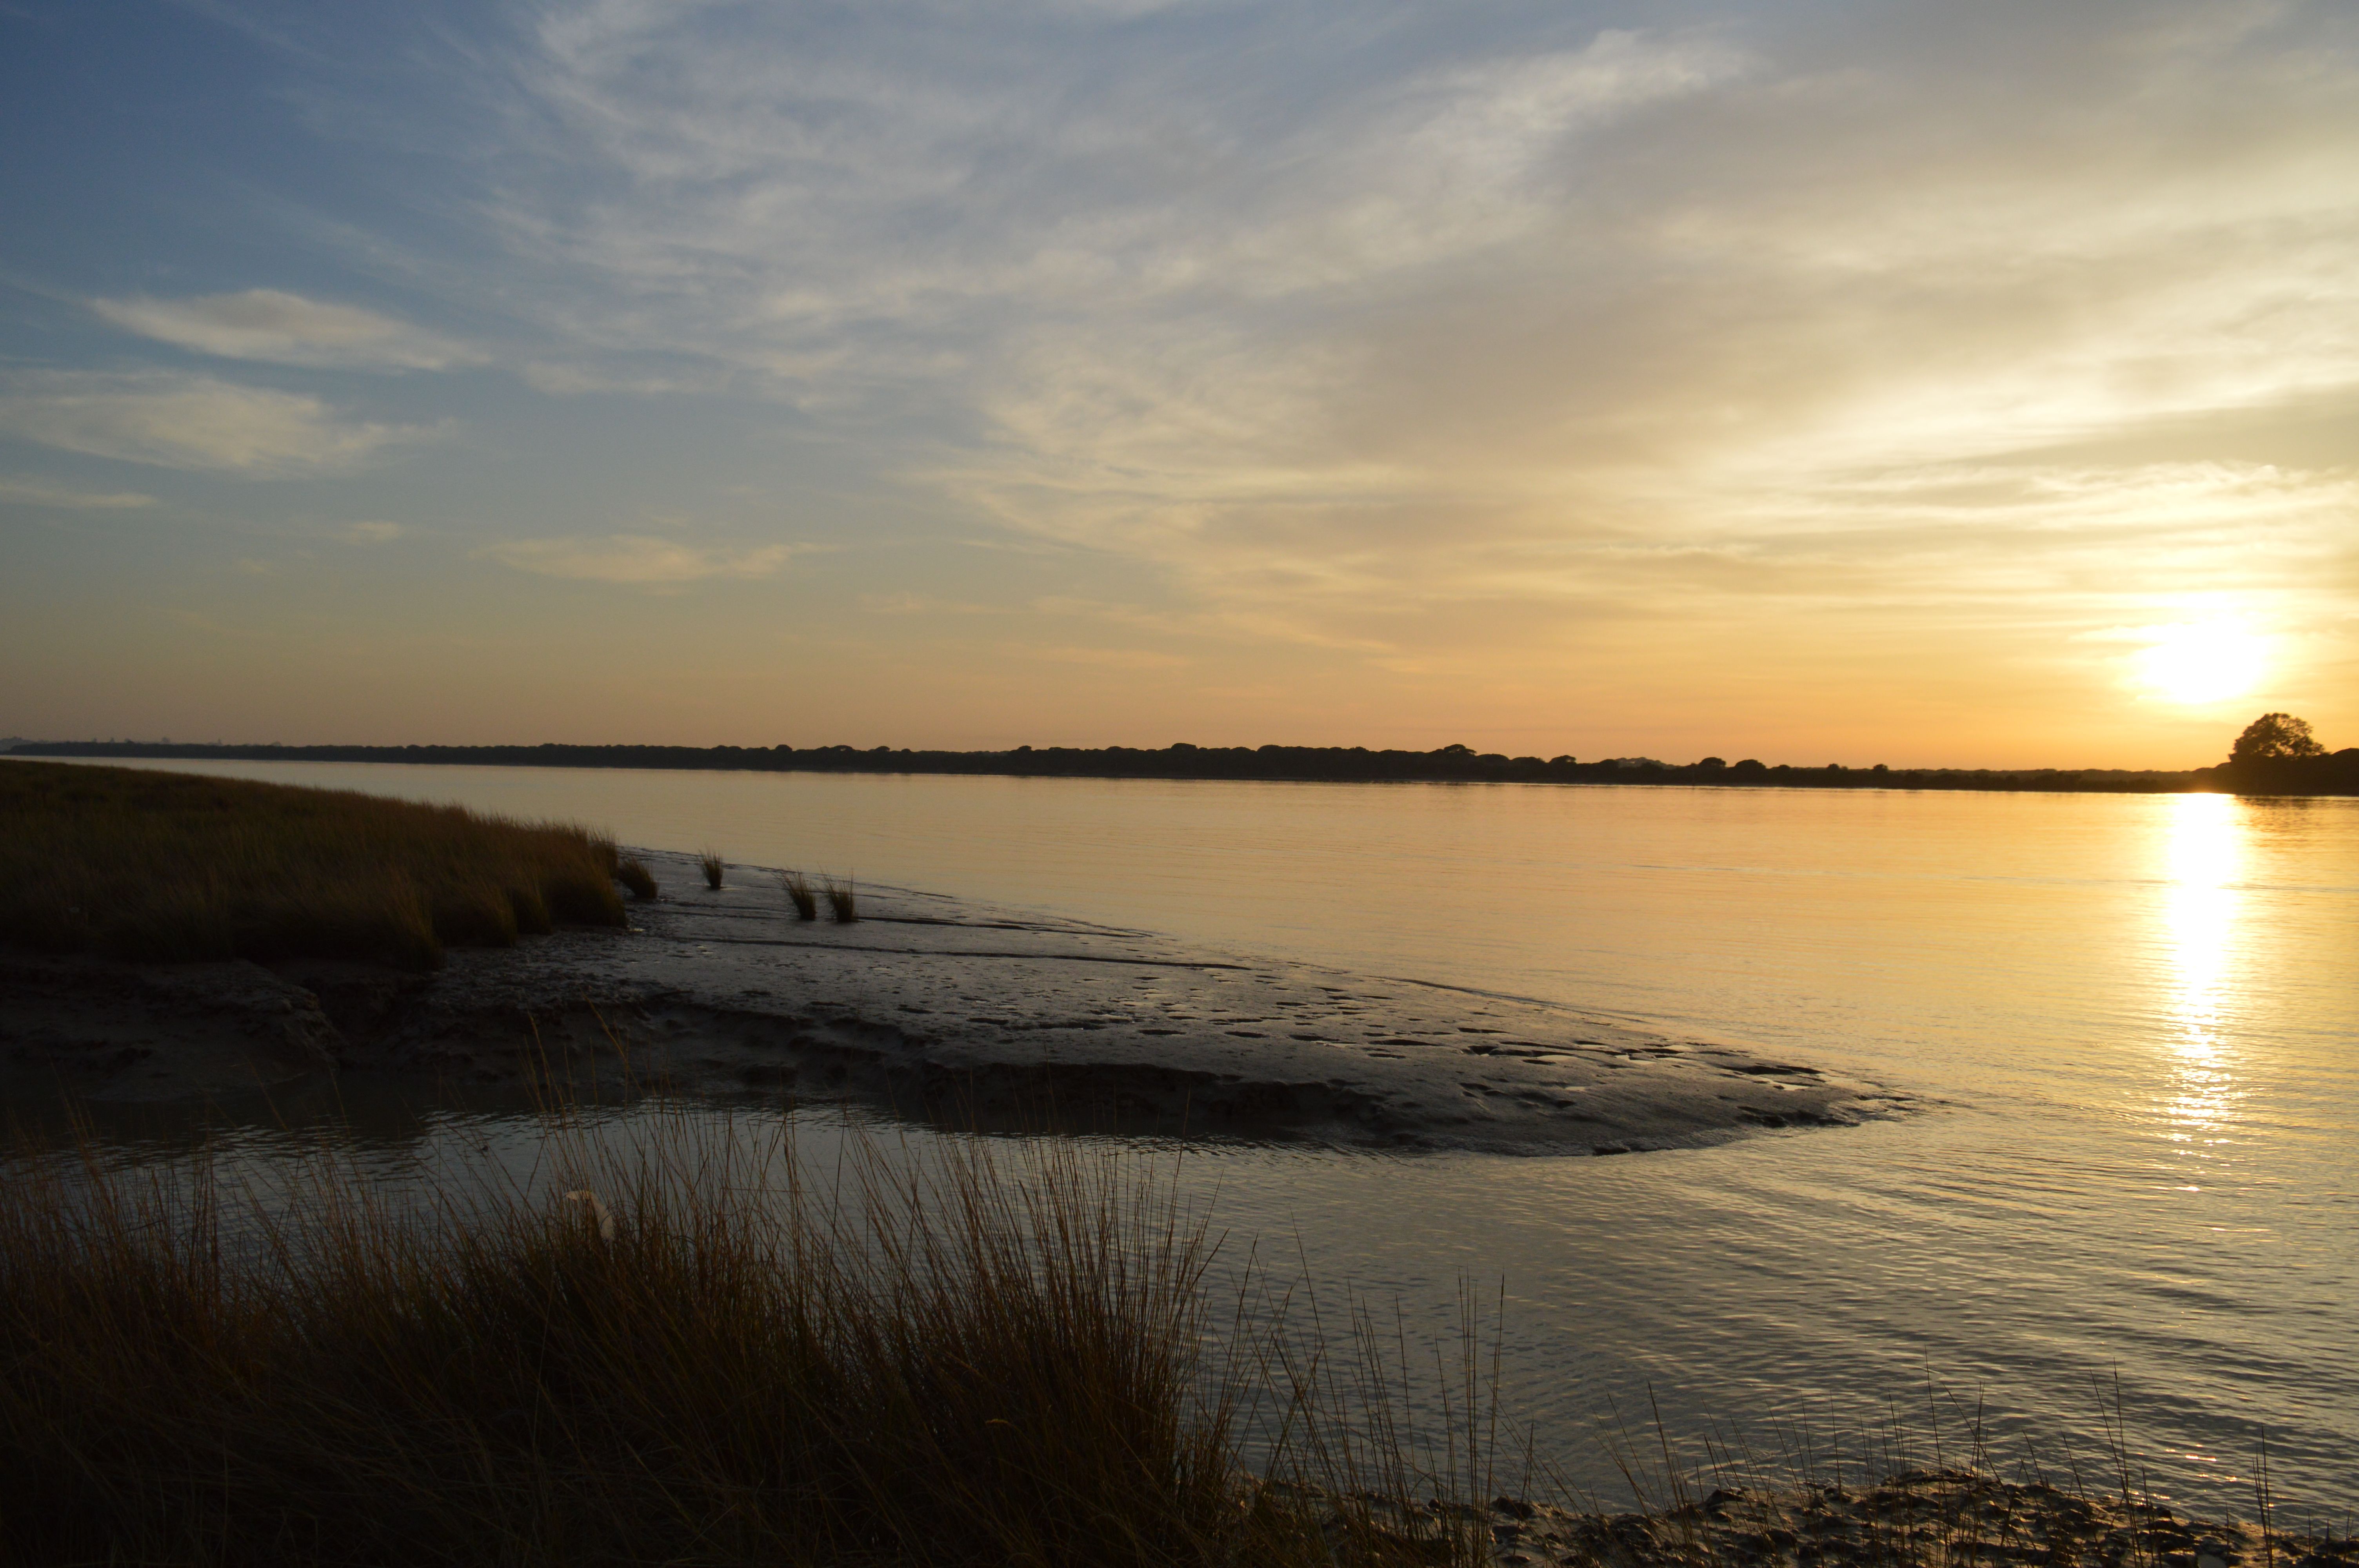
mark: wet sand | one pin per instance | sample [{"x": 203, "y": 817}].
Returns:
[{"x": 926, "y": 1007}]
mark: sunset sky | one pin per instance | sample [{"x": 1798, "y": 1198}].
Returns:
[{"x": 1970, "y": 385}]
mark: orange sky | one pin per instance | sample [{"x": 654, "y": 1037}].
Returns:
[{"x": 1950, "y": 385}]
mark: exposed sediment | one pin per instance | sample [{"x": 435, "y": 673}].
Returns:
[
  {"x": 1923, "y": 1519},
  {"x": 926, "y": 1008}
]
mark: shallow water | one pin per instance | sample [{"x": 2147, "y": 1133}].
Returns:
[{"x": 2137, "y": 1011}]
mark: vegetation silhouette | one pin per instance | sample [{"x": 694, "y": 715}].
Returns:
[
  {"x": 1456, "y": 764},
  {"x": 2278, "y": 754},
  {"x": 2276, "y": 735}
]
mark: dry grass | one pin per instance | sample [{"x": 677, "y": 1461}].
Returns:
[
  {"x": 841, "y": 902},
  {"x": 633, "y": 873},
  {"x": 800, "y": 893},
  {"x": 710, "y": 863},
  {"x": 695, "y": 1353},
  {"x": 172, "y": 866}
]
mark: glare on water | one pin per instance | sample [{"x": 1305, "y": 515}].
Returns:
[{"x": 2205, "y": 841}]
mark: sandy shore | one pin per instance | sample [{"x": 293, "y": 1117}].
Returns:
[{"x": 926, "y": 1008}]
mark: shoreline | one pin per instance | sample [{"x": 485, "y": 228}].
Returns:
[
  {"x": 956, "y": 1015},
  {"x": 2336, "y": 775},
  {"x": 1930, "y": 1516}
]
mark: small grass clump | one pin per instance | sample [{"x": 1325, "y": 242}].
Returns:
[
  {"x": 712, "y": 866},
  {"x": 840, "y": 902},
  {"x": 166, "y": 867},
  {"x": 633, "y": 873},
  {"x": 689, "y": 1353},
  {"x": 801, "y": 894}
]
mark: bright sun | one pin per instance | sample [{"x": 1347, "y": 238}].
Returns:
[{"x": 2200, "y": 661}]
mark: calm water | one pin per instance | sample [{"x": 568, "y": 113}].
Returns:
[{"x": 2138, "y": 1013}]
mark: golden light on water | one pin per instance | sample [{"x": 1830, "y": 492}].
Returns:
[
  {"x": 2204, "y": 854},
  {"x": 2202, "y": 662}
]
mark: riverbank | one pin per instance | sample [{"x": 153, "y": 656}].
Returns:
[
  {"x": 1914, "y": 1518},
  {"x": 157, "y": 867}
]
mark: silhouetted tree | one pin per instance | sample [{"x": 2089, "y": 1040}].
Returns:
[{"x": 2276, "y": 735}]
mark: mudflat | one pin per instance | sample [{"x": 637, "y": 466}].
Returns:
[{"x": 926, "y": 1007}]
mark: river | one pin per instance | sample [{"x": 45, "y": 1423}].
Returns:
[{"x": 2134, "y": 1198}]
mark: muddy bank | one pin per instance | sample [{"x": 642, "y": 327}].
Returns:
[
  {"x": 1936, "y": 1519},
  {"x": 926, "y": 1008}
]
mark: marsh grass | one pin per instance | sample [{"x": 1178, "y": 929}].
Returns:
[
  {"x": 800, "y": 893},
  {"x": 633, "y": 873},
  {"x": 841, "y": 902},
  {"x": 710, "y": 863},
  {"x": 175, "y": 867},
  {"x": 699, "y": 1349}
]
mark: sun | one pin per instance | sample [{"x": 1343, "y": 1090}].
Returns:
[{"x": 2196, "y": 663}]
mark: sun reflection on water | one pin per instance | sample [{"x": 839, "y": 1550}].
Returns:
[{"x": 2205, "y": 853}]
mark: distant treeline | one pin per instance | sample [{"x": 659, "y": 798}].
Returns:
[{"x": 2335, "y": 775}]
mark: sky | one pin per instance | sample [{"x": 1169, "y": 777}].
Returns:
[{"x": 1931, "y": 385}]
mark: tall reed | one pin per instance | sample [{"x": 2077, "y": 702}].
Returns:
[{"x": 710, "y": 863}]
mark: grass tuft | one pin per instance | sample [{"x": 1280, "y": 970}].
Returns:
[
  {"x": 840, "y": 900},
  {"x": 712, "y": 866},
  {"x": 164, "y": 867},
  {"x": 800, "y": 893},
  {"x": 633, "y": 873}
]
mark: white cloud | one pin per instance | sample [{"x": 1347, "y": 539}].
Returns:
[
  {"x": 820, "y": 208},
  {"x": 637, "y": 558},
  {"x": 278, "y": 328},
  {"x": 563, "y": 380},
  {"x": 372, "y": 532},
  {"x": 1199, "y": 282},
  {"x": 171, "y": 420},
  {"x": 30, "y": 494}
]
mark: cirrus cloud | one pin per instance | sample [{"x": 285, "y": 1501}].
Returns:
[
  {"x": 24, "y": 494},
  {"x": 278, "y": 328},
  {"x": 637, "y": 559},
  {"x": 170, "y": 419}
]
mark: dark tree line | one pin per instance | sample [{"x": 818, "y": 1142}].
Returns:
[
  {"x": 2278, "y": 754},
  {"x": 2271, "y": 745}
]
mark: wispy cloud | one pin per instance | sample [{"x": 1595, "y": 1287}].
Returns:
[
  {"x": 371, "y": 533},
  {"x": 637, "y": 558},
  {"x": 1324, "y": 330},
  {"x": 278, "y": 328},
  {"x": 26, "y": 493},
  {"x": 171, "y": 420},
  {"x": 570, "y": 380}
]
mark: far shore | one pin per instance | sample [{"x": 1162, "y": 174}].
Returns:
[{"x": 2336, "y": 773}]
